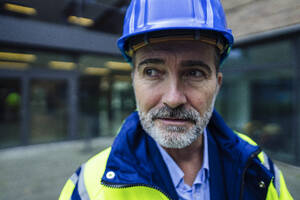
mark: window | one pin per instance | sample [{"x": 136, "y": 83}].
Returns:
[{"x": 257, "y": 96}]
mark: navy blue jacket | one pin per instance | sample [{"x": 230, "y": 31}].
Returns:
[{"x": 235, "y": 170}]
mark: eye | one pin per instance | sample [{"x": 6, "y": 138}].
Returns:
[
  {"x": 194, "y": 73},
  {"x": 150, "y": 72}
]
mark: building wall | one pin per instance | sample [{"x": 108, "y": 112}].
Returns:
[
  {"x": 259, "y": 96},
  {"x": 247, "y": 17},
  {"x": 260, "y": 91}
]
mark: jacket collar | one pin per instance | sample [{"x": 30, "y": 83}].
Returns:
[{"x": 135, "y": 159}]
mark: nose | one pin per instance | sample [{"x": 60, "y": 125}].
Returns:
[{"x": 174, "y": 95}]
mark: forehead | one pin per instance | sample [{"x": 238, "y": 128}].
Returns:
[{"x": 180, "y": 49}]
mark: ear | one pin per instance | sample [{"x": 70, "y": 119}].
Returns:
[
  {"x": 132, "y": 80},
  {"x": 132, "y": 74},
  {"x": 219, "y": 80}
]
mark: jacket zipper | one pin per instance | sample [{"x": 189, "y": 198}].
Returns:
[
  {"x": 252, "y": 156},
  {"x": 110, "y": 185}
]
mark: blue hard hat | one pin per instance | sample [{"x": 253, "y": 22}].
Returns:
[{"x": 147, "y": 16}]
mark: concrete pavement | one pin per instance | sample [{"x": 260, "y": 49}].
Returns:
[{"x": 40, "y": 171}]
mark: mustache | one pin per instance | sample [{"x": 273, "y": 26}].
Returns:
[{"x": 176, "y": 113}]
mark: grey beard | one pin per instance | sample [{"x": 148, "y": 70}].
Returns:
[{"x": 175, "y": 136}]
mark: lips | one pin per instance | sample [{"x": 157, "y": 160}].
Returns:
[{"x": 174, "y": 121}]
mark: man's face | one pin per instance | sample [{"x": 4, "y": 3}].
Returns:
[{"x": 175, "y": 86}]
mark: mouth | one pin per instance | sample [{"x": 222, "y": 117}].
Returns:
[{"x": 174, "y": 121}]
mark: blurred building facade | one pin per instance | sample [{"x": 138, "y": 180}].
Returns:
[
  {"x": 260, "y": 94},
  {"x": 62, "y": 76}
]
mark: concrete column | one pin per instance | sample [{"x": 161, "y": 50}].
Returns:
[
  {"x": 296, "y": 100},
  {"x": 72, "y": 107},
  {"x": 25, "y": 111}
]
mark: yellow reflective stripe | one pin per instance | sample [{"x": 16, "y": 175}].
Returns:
[
  {"x": 132, "y": 193},
  {"x": 67, "y": 191},
  {"x": 246, "y": 138},
  {"x": 277, "y": 179},
  {"x": 74, "y": 178},
  {"x": 284, "y": 193},
  {"x": 272, "y": 193},
  {"x": 265, "y": 161},
  {"x": 261, "y": 157},
  {"x": 93, "y": 172},
  {"x": 82, "y": 190}
]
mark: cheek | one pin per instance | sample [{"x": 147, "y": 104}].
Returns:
[
  {"x": 147, "y": 97},
  {"x": 201, "y": 98}
]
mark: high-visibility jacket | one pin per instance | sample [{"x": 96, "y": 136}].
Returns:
[{"x": 132, "y": 168}]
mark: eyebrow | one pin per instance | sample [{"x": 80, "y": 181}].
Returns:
[
  {"x": 151, "y": 61},
  {"x": 192, "y": 63}
]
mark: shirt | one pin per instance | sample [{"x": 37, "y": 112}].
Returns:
[{"x": 200, "y": 187}]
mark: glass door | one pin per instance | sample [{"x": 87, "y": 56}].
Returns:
[
  {"x": 48, "y": 110},
  {"x": 10, "y": 109}
]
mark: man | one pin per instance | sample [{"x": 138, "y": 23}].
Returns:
[{"x": 176, "y": 146}]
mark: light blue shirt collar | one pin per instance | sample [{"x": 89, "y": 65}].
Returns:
[{"x": 177, "y": 174}]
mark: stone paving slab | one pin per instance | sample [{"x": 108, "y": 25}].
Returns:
[{"x": 40, "y": 171}]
